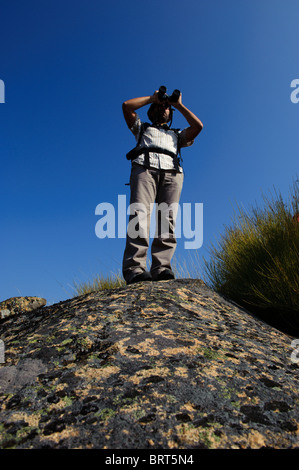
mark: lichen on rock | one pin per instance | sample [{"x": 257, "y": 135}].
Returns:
[{"x": 168, "y": 365}]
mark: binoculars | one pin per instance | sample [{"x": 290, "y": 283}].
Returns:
[{"x": 162, "y": 95}]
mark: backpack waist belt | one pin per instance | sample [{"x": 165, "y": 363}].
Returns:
[{"x": 139, "y": 150}]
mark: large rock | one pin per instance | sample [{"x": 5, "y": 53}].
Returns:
[
  {"x": 16, "y": 305},
  {"x": 152, "y": 365}
]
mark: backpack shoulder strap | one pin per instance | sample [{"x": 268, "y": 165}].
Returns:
[
  {"x": 144, "y": 126},
  {"x": 179, "y": 155}
]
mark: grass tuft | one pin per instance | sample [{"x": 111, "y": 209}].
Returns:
[
  {"x": 257, "y": 258},
  {"x": 98, "y": 283}
]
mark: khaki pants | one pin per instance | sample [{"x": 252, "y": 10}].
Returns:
[{"x": 147, "y": 187}]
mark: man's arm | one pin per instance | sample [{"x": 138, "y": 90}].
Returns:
[
  {"x": 130, "y": 106},
  {"x": 196, "y": 125}
]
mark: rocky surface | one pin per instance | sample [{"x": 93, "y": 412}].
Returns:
[
  {"x": 168, "y": 365},
  {"x": 16, "y": 305}
]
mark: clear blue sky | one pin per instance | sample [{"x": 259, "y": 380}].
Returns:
[{"x": 68, "y": 65}]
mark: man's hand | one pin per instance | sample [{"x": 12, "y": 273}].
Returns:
[
  {"x": 177, "y": 103},
  {"x": 155, "y": 98}
]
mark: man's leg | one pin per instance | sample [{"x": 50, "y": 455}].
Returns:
[
  {"x": 164, "y": 244},
  {"x": 143, "y": 193}
]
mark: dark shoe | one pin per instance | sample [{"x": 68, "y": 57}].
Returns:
[
  {"x": 145, "y": 276},
  {"x": 165, "y": 275}
]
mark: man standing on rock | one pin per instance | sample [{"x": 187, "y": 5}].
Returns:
[{"x": 156, "y": 177}]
